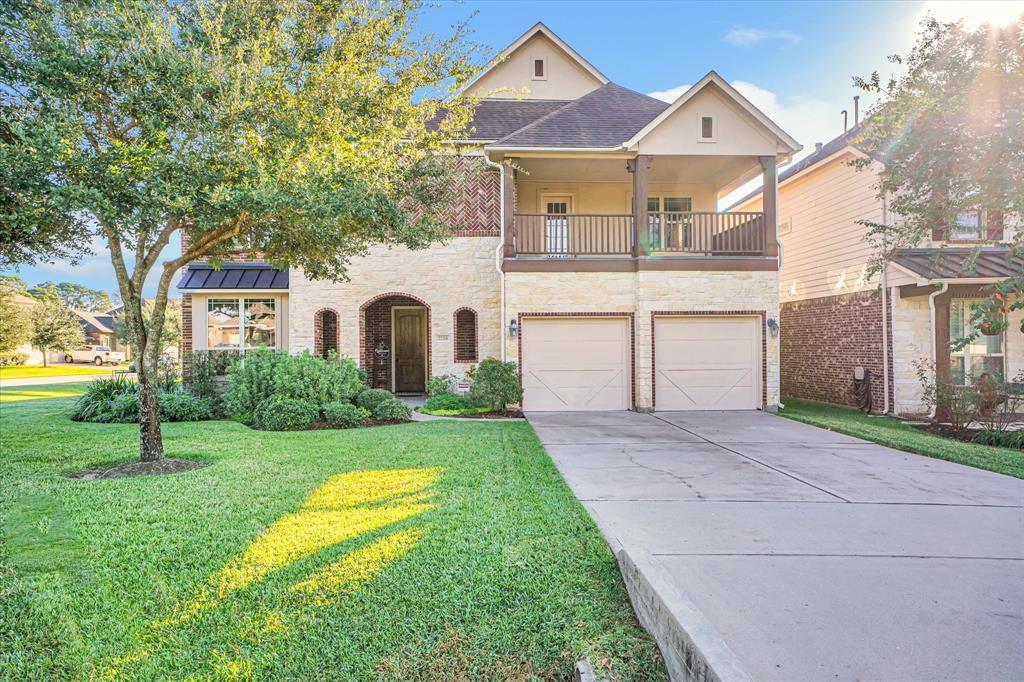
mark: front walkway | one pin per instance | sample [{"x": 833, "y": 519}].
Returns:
[{"x": 766, "y": 549}]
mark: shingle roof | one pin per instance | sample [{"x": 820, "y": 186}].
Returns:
[
  {"x": 957, "y": 263},
  {"x": 233, "y": 276},
  {"x": 496, "y": 118},
  {"x": 95, "y": 323},
  {"x": 606, "y": 117}
]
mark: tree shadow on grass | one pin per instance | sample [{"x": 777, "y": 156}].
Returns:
[{"x": 344, "y": 535}]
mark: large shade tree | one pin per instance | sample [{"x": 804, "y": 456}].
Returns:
[
  {"x": 950, "y": 131},
  {"x": 294, "y": 128}
]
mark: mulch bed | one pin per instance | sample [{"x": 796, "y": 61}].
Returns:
[
  {"x": 947, "y": 431},
  {"x": 161, "y": 467},
  {"x": 507, "y": 414}
]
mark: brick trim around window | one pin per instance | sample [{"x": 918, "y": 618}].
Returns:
[
  {"x": 326, "y": 339},
  {"x": 465, "y": 336},
  {"x": 632, "y": 342},
  {"x": 719, "y": 313}
]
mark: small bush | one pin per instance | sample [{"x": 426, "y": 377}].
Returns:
[
  {"x": 94, "y": 405},
  {"x": 443, "y": 383},
  {"x": 204, "y": 378},
  {"x": 285, "y": 414},
  {"x": 448, "y": 401},
  {"x": 182, "y": 406},
  {"x": 344, "y": 415},
  {"x": 372, "y": 397},
  {"x": 10, "y": 358},
  {"x": 495, "y": 384},
  {"x": 392, "y": 410},
  {"x": 124, "y": 409},
  {"x": 1001, "y": 439}
]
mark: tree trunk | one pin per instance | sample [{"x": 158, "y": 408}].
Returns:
[
  {"x": 44, "y": 357},
  {"x": 151, "y": 444}
]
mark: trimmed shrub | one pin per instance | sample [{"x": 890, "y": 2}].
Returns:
[
  {"x": 263, "y": 374},
  {"x": 392, "y": 410},
  {"x": 443, "y": 383},
  {"x": 344, "y": 415},
  {"x": 285, "y": 414},
  {"x": 10, "y": 358},
  {"x": 182, "y": 406},
  {"x": 495, "y": 383},
  {"x": 372, "y": 397},
  {"x": 448, "y": 401},
  {"x": 1001, "y": 439}
]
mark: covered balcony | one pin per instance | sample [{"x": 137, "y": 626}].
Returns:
[{"x": 582, "y": 212}]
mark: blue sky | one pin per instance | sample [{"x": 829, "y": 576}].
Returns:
[{"x": 794, "y": 60}]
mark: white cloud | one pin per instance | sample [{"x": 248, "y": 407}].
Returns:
[
  {"x": 745, "y": 36},
  {"x": 670, "y": 95}
]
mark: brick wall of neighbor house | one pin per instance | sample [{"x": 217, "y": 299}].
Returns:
[
  {"x": 824, "y": 339},
  {"x": 643, "y": 293},
  {"x": 459, "y": 274}
]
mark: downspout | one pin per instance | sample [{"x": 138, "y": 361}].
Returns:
[
  {"x": 935, "y": 357},
  {"x": 885, "y": 318},
  {"x": 498, "y": 252}
]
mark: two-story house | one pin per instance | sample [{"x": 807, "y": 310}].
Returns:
[
  {"x": 587, "y": 247},
  {"x": 835, "y": 317}
]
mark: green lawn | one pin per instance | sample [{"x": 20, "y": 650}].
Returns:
[
  {"x": 57, "y": 370},
  {"x": 15, "y": 394},
  {"x": 902, "y": 436},
  {"x": 438, "y": 550}
]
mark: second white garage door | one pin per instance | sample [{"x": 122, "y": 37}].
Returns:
[
  {"x": 578, "y": 363},
  {"x": 707, "y": 363}
]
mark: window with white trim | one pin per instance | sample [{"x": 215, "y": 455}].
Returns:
[
  {"x": 230, "y": 321},
  {"x": 707, "y": 130},
  {"x": 969, "y": 225},
  {"x": 984, "y": 354},
  {"x": 540, "y": 69}
]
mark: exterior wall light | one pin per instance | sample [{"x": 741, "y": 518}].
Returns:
[
  {"x": 513, "y": 328},
  {"x": 773, "y": 327}
]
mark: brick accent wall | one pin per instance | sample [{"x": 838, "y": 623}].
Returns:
[
  {"x": 474, "y": 208},
  {"x": 375, "y": 325},
  {"x": 325, "y": 332},
  {"x": 824, "y": 339},
  {"x": 186, "y": 334},
  {"x": 464, "y": 326}
]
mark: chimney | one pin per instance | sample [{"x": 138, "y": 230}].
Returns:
[
  {"x": 845, "y": 126},
  {"x": 817, "y": 147},
  {"x": 856, "y": 110}
]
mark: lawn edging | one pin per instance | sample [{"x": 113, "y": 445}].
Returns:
[{"x": 901, "y": 435}]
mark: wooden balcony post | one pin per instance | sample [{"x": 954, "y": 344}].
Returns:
[
  {"x": 770, "y": 205},
  {"x": 508, "y": 210},
  {"x": 639, "y": 168}
]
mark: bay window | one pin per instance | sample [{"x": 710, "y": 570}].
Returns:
[
  {"x": 241, "y": 323},
  {"x": 982, "y": 355}
]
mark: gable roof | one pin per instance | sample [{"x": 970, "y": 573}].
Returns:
[
  {"x": 540, "y": 28},
  {"x": 493, "y": 119},
  {"x": 604, "y": 118},
  {"x": 95, "y": 323},
  {"x": 713, "y": 78}
]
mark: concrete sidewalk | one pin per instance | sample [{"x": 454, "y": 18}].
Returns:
[{"x": 755, "y": 547}]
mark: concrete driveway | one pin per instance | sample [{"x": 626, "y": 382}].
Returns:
[{"x": 755, "y": 547}]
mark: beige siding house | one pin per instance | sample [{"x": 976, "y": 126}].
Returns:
[
  {"x": 832, "y": 315},
  {"x": 586, "y": 247}
]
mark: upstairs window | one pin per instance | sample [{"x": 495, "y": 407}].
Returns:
[
  {"x": 465, "y": 335},
  {"x": 707, "y": 131},
  {"x": 968, "y": 227},
  {"x": 540, "y": 69}
]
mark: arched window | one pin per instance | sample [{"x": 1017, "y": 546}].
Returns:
[
  {"x": 465, "y": 335},
  {"x": 325, "y": 332}
]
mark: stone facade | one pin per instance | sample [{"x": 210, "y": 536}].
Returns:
[
  {"x": 642, "y": 293},
  {"x": 447, "y": 277},
  {"x": 824, "y": 339}
]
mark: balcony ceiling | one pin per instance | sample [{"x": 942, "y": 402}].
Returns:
[{"x": 719, "y": 171}]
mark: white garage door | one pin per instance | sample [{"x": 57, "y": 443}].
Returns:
[
  {"x": 707, "y": 363},
  {"x": 576, "y": 364}
]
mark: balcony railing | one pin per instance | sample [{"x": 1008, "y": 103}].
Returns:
[{"x": 561, "y": 235}]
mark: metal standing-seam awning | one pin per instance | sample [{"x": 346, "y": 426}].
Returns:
[{"x": 233, "y": 277}]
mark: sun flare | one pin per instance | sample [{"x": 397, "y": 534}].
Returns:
[{"x": 974, "y": 14}]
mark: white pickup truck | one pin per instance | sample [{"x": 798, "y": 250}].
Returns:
[{"x": 97, "y": 355}]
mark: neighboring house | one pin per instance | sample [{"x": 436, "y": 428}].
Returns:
[
  {"x": 99, "y": 329},
  {"x": 832, "y": 313},
  {"x": 605, "y": 302}
]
